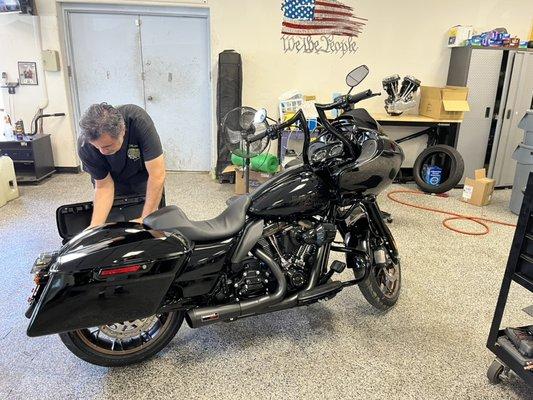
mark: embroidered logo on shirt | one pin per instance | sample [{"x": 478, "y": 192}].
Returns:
[{"x": 134, "y": 153}]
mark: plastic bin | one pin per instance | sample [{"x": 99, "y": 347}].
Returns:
[
  {"x": 3, "y": 198},
  {"x": 8, "y": 179}
]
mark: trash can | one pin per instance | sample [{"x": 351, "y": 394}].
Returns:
[{"x": 524, "y": 162}]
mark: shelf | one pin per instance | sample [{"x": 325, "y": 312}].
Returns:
[
  {"x": 523, "y": 280},
  {"x": 29, "y": 177},
  {"x": 23, "y": 161}
]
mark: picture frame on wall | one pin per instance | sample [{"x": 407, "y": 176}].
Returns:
[{"x": 28, "y": 73}]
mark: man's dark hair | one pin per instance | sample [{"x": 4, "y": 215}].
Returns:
[{"x": 99, "y": 119}]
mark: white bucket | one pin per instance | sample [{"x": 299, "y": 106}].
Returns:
[
  {"x": 8, "y": 179},
  {"x": 3, "y": 198}
]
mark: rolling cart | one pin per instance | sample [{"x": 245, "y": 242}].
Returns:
[{"x": 520, "y": 270}]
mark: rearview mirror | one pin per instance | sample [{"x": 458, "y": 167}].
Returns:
[
  {"x": 356, "y": 76},
  {"x": 260, "y": 116}
]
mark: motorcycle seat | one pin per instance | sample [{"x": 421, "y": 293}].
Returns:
[{"x": 228, "y": 223}]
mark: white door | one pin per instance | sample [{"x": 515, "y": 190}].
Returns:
[
  {"x": 106, "y": 59},
  {"x": 160, "y": 63},
  {"x": 176, "y": 78}
]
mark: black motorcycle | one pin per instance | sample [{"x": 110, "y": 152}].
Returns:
[{"x": 118, "y": 293}]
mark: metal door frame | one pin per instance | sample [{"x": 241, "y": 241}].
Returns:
[{"x": 178, "y": 10}]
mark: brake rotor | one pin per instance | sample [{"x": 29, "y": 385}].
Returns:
[{"x": 129, "y": 329}]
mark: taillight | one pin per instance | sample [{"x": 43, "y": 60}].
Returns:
[{"x": 120, "y": 270}]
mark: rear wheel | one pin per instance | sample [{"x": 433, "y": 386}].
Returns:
[
  {"x": 381, "y": 288},
  {"x": 124, "y": 343}
]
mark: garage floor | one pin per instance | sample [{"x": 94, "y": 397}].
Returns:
[{"x": 431, "y": 345}]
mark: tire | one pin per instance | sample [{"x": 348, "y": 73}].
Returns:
[
  {"x": 456, "y": 168},
  {"x": 374, "y": 293},
  {"x": 494, "y": 372},
  {"x": 81, "y": 343}
]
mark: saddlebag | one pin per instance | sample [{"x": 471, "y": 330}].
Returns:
[
  {"x": 113, "y": 273},
  {"x": 73, "y": 218}
]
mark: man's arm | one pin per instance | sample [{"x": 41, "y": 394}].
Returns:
[
  {"x": 154, "y": 187},
  {"x": 104, "y": 194}
]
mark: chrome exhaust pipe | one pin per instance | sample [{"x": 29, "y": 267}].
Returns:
[{"x": 209, "y": 315}]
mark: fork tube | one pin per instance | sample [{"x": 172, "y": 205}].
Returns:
[{"x": 247, "y": 169}]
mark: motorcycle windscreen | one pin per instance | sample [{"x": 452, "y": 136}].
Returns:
[{"x": 114, "y": 273}]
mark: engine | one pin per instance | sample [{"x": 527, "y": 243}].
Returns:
[
  {"x": 402, "y": 98},
  {"x": 293, "y": 247}
]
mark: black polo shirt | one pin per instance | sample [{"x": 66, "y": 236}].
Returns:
[{"x": 141, "y": 144}]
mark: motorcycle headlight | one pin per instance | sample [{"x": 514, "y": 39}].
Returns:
[
  {"x": 319, "y": 155},
  {"x": 336, "y": 150}
]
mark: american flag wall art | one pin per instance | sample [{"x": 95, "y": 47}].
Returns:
[{"x": 320, "y": 17}]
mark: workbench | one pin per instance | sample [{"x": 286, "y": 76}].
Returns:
[
  {"x": 444, "y": 131},
  {"x": 439, "y": 131}
]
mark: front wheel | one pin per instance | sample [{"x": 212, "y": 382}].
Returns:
[
  {"x": 124, "y": 343},
  {"x": 381, "y": 288}
]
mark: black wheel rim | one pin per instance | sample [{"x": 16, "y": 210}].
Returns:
[
  {"x": 388, "y": 278},
  {"x": 126, "y": 337}
]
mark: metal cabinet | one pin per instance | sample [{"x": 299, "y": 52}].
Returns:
[
  {"x": 32, "y": 156},
  {"x": 500, "y": 84},
  {"x": 518, "y": 100}
]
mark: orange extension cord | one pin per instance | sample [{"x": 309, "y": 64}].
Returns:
[{"x": 454, "y": 216}]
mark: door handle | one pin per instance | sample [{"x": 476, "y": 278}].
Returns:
[
  {"x": 508, "y": 113},
  {"x": 487, "y": 112},
  {"x": 149, "y": 98}
]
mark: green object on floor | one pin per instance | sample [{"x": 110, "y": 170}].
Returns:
[{"x": 268, "y": 163}]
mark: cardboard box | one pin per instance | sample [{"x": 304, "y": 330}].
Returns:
[
  {"x": 458, "y": 35},
  {"x": 478, "y": 191},
  {"x": 449, "y": 102},
  {"x": 256, "y": 178}
]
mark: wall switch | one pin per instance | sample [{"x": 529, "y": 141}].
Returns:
[{"x": 50, "y": 60}]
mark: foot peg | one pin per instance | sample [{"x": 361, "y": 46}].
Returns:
[
  {"x": 326, "y": 291},
  {"x": 336, "y": 266}
]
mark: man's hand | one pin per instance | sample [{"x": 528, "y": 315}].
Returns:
[{"x": 154, "y": 188}]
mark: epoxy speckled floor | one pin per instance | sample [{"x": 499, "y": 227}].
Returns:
[{"x": 430, "y": 346}]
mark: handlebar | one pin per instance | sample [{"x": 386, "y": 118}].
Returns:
[
  {"x": 344, "y": 101},
  {"x": 340, "y": 102},
  {"x": 258, "y": 136},
  {"x": 352, "y": 99},
  {"x": 272, "y": 130}
]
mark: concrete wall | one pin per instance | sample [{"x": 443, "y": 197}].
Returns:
[{"x": 400, "y": 37}]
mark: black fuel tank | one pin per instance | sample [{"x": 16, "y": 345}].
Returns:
[{"x": 296, "y": 192}]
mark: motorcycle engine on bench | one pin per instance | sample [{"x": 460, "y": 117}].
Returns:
[{"x": 293, "y": 247}]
